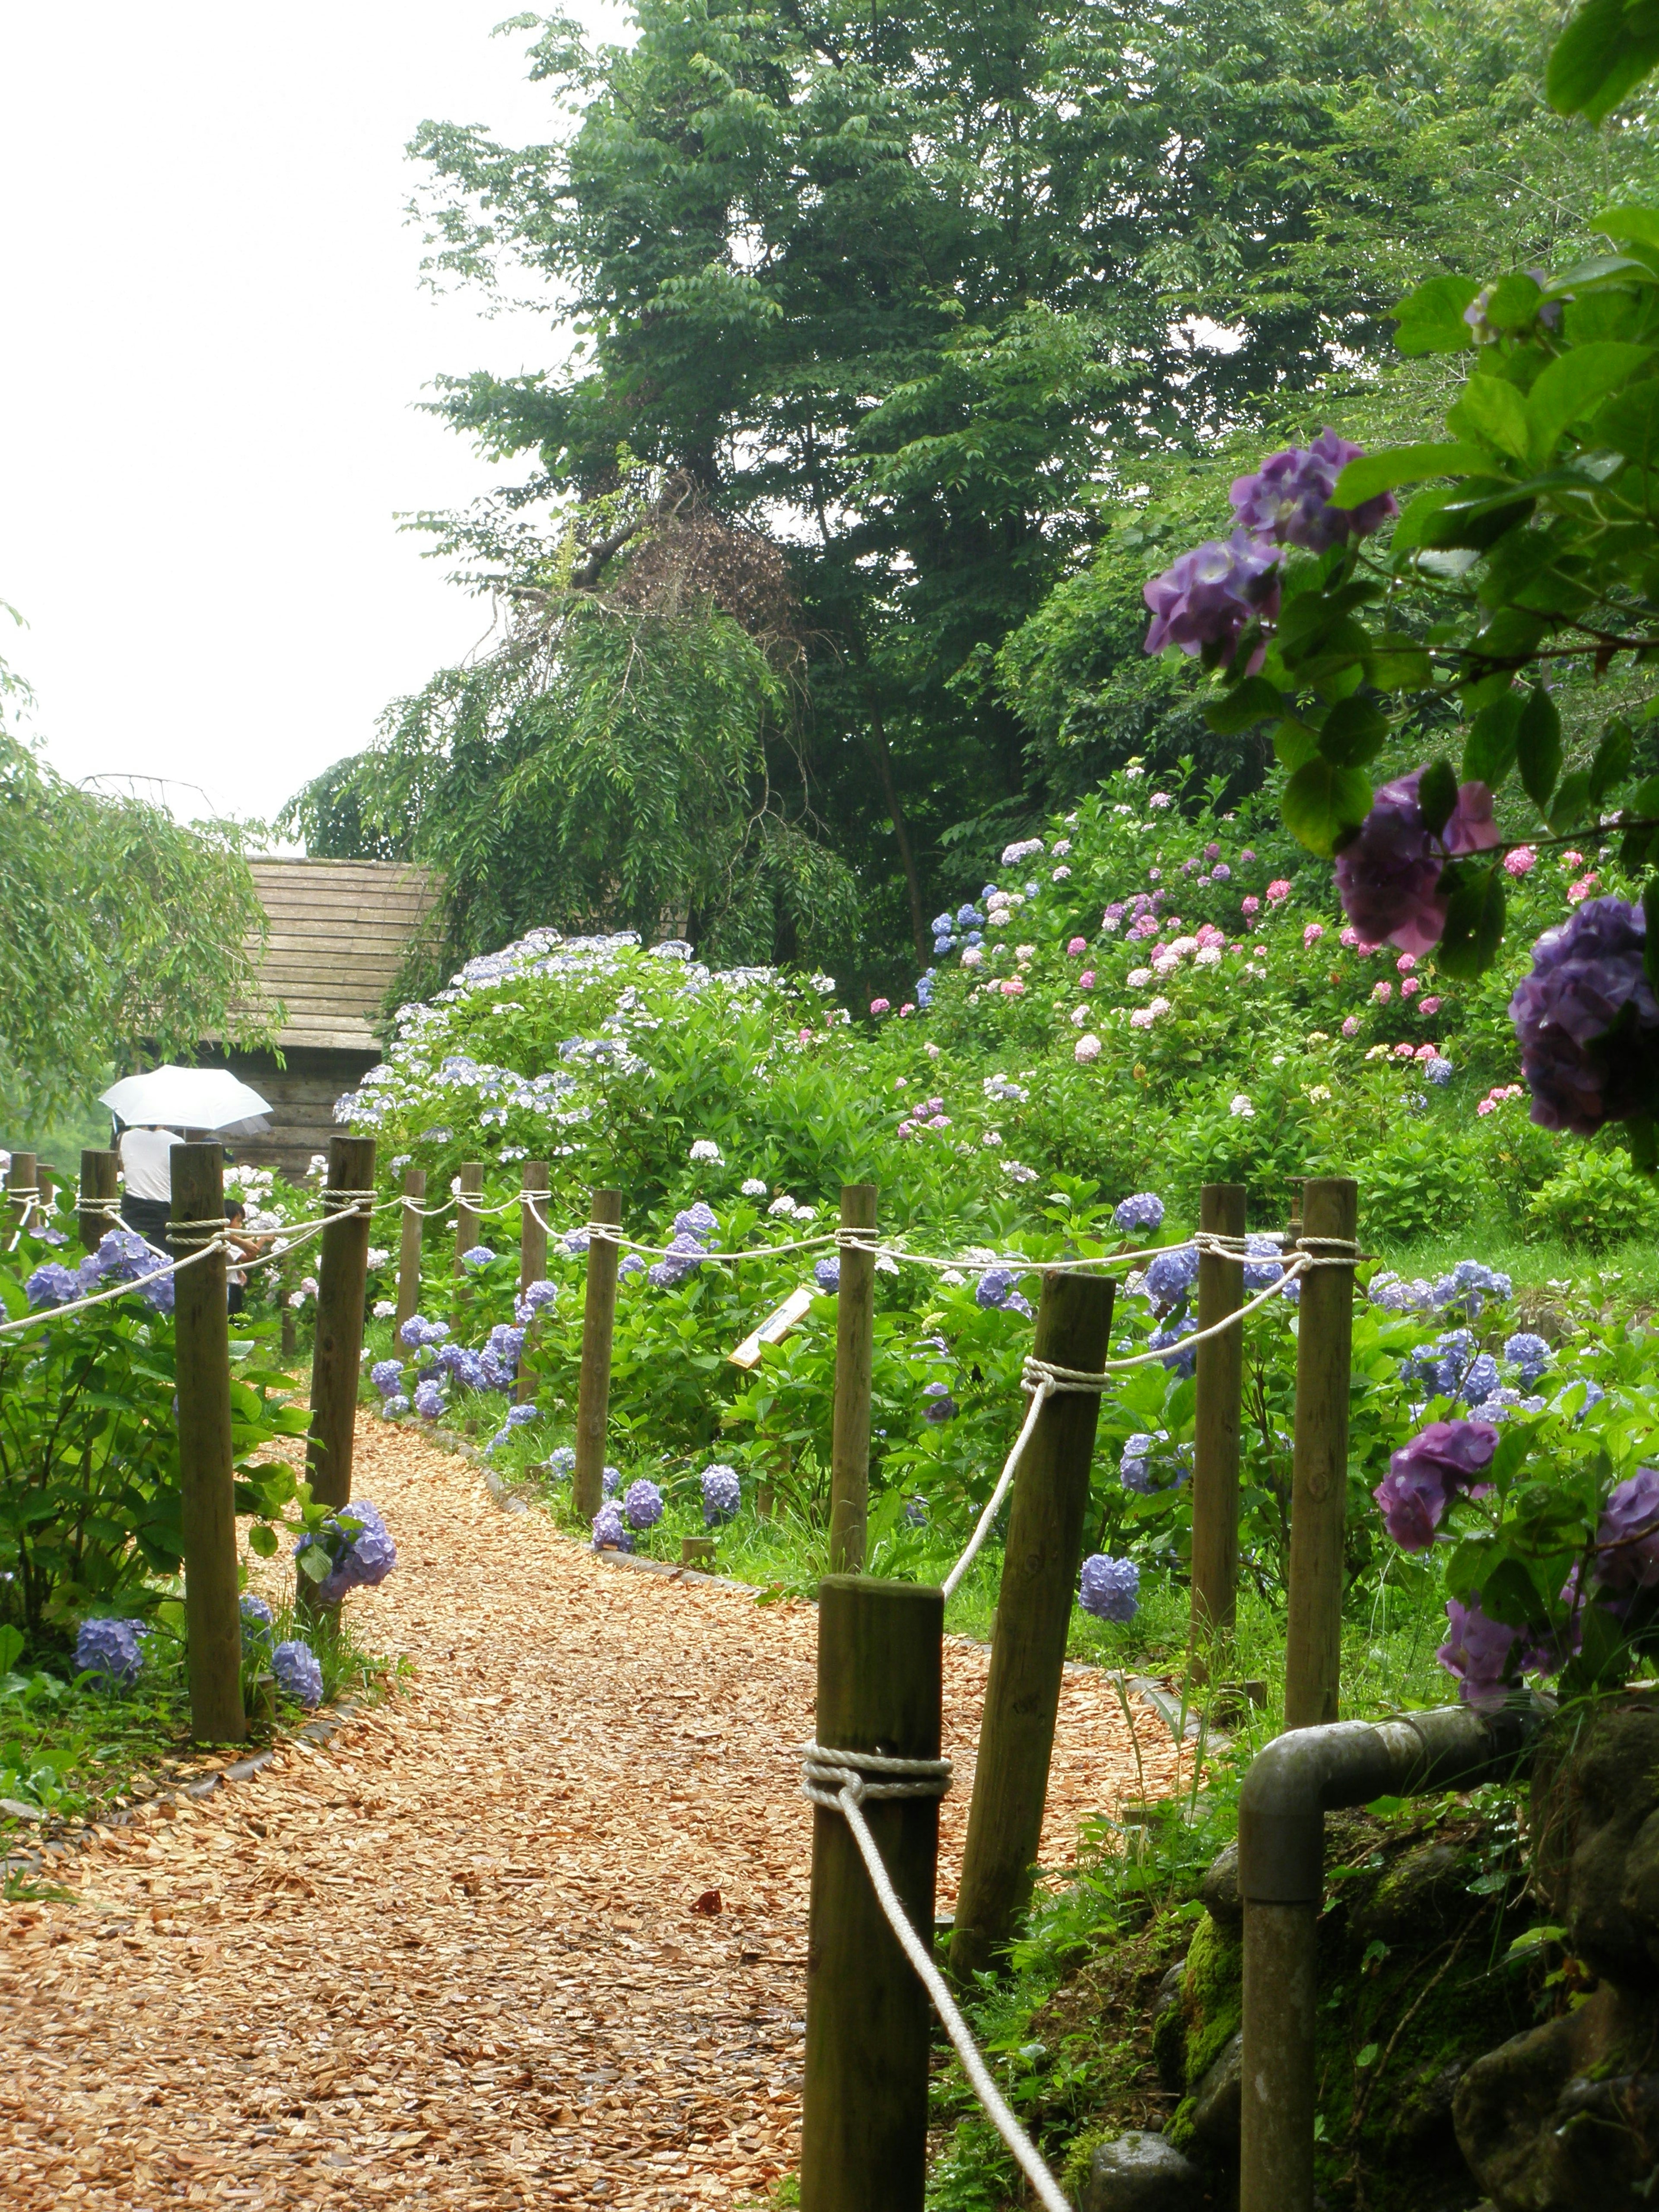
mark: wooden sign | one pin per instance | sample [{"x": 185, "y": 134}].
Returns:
[{"x": 774, "y": 1328}]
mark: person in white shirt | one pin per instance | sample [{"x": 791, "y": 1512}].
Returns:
[{"x": 147, "y": 1171}]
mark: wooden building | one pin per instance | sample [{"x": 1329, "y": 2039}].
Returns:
[{"x": 340, "y": 931}]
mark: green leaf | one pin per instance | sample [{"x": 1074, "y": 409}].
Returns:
[
  {"x": 1651, "y": 918},
  {"x": 1611, "y": 763},
  {"x": 1595, "y": 61},
  {"x": 11, "y": 1644},
  {"x": 315, "y": 1561},
  {"x": 1574, "y": 384},
  {"x": 1437, "y": 795},
  {"x": 1474, "y": 923},
  {"x": 262, "y": 1539},
  {"x": 1323, "y": 801},
  {"x": 1570, "y": 799},
  {"x": 1397, "y": 465},
  {"x": 1629, "y": 422},
  {"x": 1632, "y": 220},
  {"x": 1243, "y": 706},
  {"x": 1400, "y": 663},
  {"x": 1492, "y": 410},
  {"x": 1538, "y": 746},
  {"x": 1489, "y": 748},
  {"x": 1409, "y": 531},
  {"x": 1368, "y": 2056},
  {"x": 1513, "y": 301},
  {"x": 1353, "y": 732},
  {"x": 1431, "y": 318},
  {"x": 1294, "y": 742}
]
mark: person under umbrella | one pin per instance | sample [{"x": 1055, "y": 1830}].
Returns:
[{"x": 147, "y": 1173}]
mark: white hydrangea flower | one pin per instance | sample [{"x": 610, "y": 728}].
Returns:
[
  {"x": 782, "y": 1204},
  {"x": 1138, "y": 978},
  {"x": 992, "y": 1137},
  {"x": 383, "y": 1309},
  {"x": 933, "y": 1051},
  {"x": 706, "y": 1150},
  {"x": 1207, "y": 956},
  {"x": 1025, "y": 952},
  {"x": 754, "y": 1188},
  {"x": 1079, "y": 1017},
  {"x": 1241, "y": 1108},
  {"x": 1016, "y": 1171},
  {"x": 954, "y": 1277}
]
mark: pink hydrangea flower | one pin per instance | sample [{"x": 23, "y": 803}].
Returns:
[
  {"x": 907, "y": 1010},
  {"x": 1260, "y": 951},
  {"x": 1350, "y": 937},
  {"x": 1252, "y": 905},
  {"x": 1351, "y": 1026},
  {"x": 1209, "y": 934},
  {"x": 1085, "y": 982},
  {"x": 1430, "y": 1007},
  {"x": 1404, "y": 1052},
  {"x": 1235, "y": 948},
  {"x": 1411, "y": 986},
  {"x": 881, "y": 1006},
  {"x": 1160, "y": 798},
  {"x": 1086, "y": 1048},
  {"x": 1425, "y": 1052},
  {"x": 1581, "y": 889},
  {"x": 1277, "y": 891},
  {"x": 1522, "y": 861},
  {"x": 1383, "y": 991},
  {"x": 1312, "y": 934},
  {"x": 1077, "y": 947},
  {"x": 1404, "y": 965},
  {"x": 1246, "y": 857},
  {"x": 1572, "y": 859},
  {"x": 1213, "y": 851},
  {"x": 1012, "y": 987}
]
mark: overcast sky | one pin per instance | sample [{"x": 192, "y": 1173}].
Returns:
[{"x": 214, "y": 343}]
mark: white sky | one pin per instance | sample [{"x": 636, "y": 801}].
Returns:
[{"x": 213, "y": 341}]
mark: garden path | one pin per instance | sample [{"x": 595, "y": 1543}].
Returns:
[{"x": 456, "y": 1957}]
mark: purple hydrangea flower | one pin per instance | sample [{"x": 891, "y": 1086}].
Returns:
[
  {"x": 993, "y": 1288},
  {"x": 722, "y": 1494},
  {"x": 1592, "y": 1392},
  {"x": 1264, "y": 1266},
  {"x": 417, "y": 1332},
  {"x": 609, "y": 1481},
  {"x": 576, "y": 1243},
  {"x": 387, "y": 1376},
  {"x": 1143, "y": 1209},
  {"x": 429, "y": 1400},
  {"x": 826, "y": 1273},
  {"x": 684, "y": 1258},
  {"x": 1170, "y": 1275},
  {"x": 1210, "y": 594},
  {"x": 535, "y": 1296},
  {"x": 642, "y": 1503},
  {"x": 632, "y": 1265},
  {"x": 112, "y": 1649},
  {"x": 1133, "y": 1467},
  {"x": 52, "y": 1285},
  {"x": 611, "y": 1532},
  {"x": 941, "y": 1406},
  {"x": 1588, "y": 1020},
  {"x": 915, "y": 1513},
  {"x": 1110, "y": 1589},
  {"x": 1387, "y": 874},
  {"x": 1425, "y": 1475},
  {"x": 397, "y": 1404},
  {"x": 359, "y": 1548},
  {"x": 477, "y": 1256},
  {"x": 699, "y": 1221},
  {"x": 1289, "y": 498},
  {"x": 1439, "y": 1069},
  {"x": 1479, "y": 1652},
  {"x": 1529, "y": 1352},
  {"x": 1468, "y": 1286},
  {"x": 562, "y": 1460},
  {"x": 1178, "y": 1363},
  {"x": 298, "y": 1671},
  {"x": 257, "y": 1623},
  {"x": 1627, "y": 1534}
]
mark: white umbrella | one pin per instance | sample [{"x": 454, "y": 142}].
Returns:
[{"x": 190, "y": 1098}]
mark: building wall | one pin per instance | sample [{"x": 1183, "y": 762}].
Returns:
[{"x": 301, "y": 1094}]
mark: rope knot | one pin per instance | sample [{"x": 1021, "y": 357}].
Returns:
[{"x": 831, "y": 1777}]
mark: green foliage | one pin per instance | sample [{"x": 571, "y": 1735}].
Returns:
[
  {"x": 1416, "y": 1183},
  {"x": 1596, "y": 1200}
]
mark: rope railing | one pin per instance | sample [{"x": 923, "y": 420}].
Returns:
[{"x": 843, "y": 1782}]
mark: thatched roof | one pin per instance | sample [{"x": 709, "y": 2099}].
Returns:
[{"x": 339, "y": 932}]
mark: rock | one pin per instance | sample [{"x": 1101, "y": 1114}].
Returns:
[
  {"x": 1426, "y": 1890},
  {"x": 1423, "y": 2109},
  {"x": 1595, "y": 1815},
  {"x": 1169, "y": 2028},
  {"x": 1216, "y": 2097},
  {"x": 1141, "y": 2172},
  {"x": 1169, "y": 1989},
  {"x": 1219, "y": 1890}
]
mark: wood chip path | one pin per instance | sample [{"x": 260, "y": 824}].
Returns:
[{"x": 455, "y": 1959}]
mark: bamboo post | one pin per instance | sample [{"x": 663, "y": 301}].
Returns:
[
  {"x": 99, "y": 1189},
  {"x": 20, "y": 1178},
  {"x": 409, "y": 1247},
  {"x": 213, "y": 1650},
  {"x": 593, "y": 1389},
  {"x": 336, "y": 1357},
  {"x": 532, "y": 1253},
  {"x": 1319, "y": 1477},
  {"x": 849, "y": 1447},
  {"x": 1215, "y": 1432},
  {"x": 864, "y": 2141},
  {"x": 467, "y": 1232},
  {"x": 1028, "y": 1644}
]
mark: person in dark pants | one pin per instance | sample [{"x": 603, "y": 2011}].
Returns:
[{"x": 147, "y": 1175}]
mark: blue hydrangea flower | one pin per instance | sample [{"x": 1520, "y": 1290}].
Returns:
[
  {"x": 632, "y": 1265},
  {"x": 993, "y": 1288},
  {"x": 611, "y": 1531},
  {"x": 418, "y": 1333},
  {"x": 1110, "y": 1589},
  {"x": 1438, "y": 1070},
  {"x": 1017, "y": 1302},
  {"x": 429, "y": 1401},
  {"x": 699, "y": 1221},
  {"x": 576, "y": 1243},
  {"x": 915, "y": 1513},
  {"x": 1137, "y": 1450},
  {"x": 826, "y": 1273},
  {"x": 942, "y": 1406},
  {"x": 940, "y": 925},
  {"x": 1178, "y": 1363},
  {"x": 1529, "y": 1353},
  {"x": 563, "y": 1460},
  {"x": 387, "y": 1376},
  {"x": 642, "y": 1503},
  {"x": 477, "y": 1256},
  {"x": 359, "y": 1546},
  {"x": 397, "y": 1404},
  {"x": 110, "y": 1649},
  {"x": 1142, "y": 1209},
  {"x": 1504, "y": 1405},
  {"x": 531, "y": 1299},
  {"x": 1396, "y": 1295},
  {"x": 684, "y": 1258},
  {"x": 1264, "y": 1267},
  {"x": 970, "y": 917},
  {"x": 722, "y": 1494},
  {"x": 1170, "y": 1275},
  {"x": 258, "y": 1622},
  {"x": 1592, "y": 1392},
  {"x": 52, "y": 1285},
  {"x": 1466, "y": 1288},
  {"x": 609, "y": 1480},
  {"x": 298, "y": 1671}
]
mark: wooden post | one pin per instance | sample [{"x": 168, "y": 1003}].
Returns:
[
  {"x": 290, "y": 1326},
  {"x": 408, "y": 1248},
  {"x": 19, "y": 1176},
  {"x": 1216, "y": 1425},
  {"x": 213, "y": 1651},
  {"x": 467, "y": 1232},
  {"x": 864, "y": 2141},
  {"x": 1319, "y": 1479},
  {"x": 336, "y": 1357},
  {"x": 849, "y": 1448},
  {"x": 593, "y": 1389},
  {"x": 532, "y": 1254},
  {"x": 46, "y": 1182},
  {"x": 99, "y": 1189},
  {"x": 1034, "y": 1613}
]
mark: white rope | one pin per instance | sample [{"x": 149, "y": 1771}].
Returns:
[
  {"x": 98, "y": 1297},
  {"x": 1203, "y": 1240},
  {"x": 841, "y": 1782},
  {"x": 608, "y": 1233},
  {"x": 1041, "y": 1392}
]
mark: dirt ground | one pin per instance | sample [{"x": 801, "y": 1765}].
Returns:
[{"x": 457, "y": 1958}]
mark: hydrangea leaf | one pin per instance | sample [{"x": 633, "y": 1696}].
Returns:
[
  {"x": 1596, "y": 60},
  {"x": 1538, "y": 746},
  {"x": 1629, "y": 422},
  {"x": 1437, "y": 795},
  {"x": 1489, "y": 748},
  {"x": 1633, "y": 221},
  {"x": 1571, "y": 798},
  {"x": 1431, "y": 318},
  {"x": 1572, "y": 386},
  {"x": 1323, "y": 802},
  {"x": 263, "y": 1539},
  {"x": 1398, "y": 465},
  {"x": 1493, "y": 412},
  {"x": 1353, "y": 734},
  {"x": 1246, "y": 704},
  {"x": 1611, "y": 763},
  {"x": 1475, "y": 920}
]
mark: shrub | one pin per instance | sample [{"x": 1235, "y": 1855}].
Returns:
[{"x": 1597, "y": 1199}]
